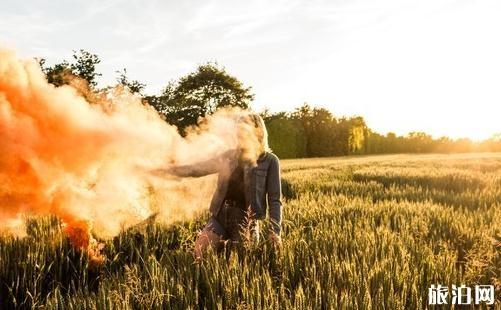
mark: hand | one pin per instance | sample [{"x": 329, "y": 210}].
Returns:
[{"x": 275, "y": 239}]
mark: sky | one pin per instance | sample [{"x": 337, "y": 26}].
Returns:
[{"x": 432, "y": 66}]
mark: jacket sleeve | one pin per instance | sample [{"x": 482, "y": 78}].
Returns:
[
  {"x": 195, "y": 170},
  {"x": 203, "y": 168},
  {"x": 274, "y": 195}
]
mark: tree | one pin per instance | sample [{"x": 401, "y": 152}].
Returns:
[
  {"x": 133, "y": 86},
  {"x": 319, "y": 125},
  {"x": 200, "y": 93},
  {"x": 342, "y": 134},
  {"x": 173, "y": 113},
  {"x": 304, "y": 115},
  {"x": 209, "y": 88},
  {"x": 358, "y": 135},
  {"x": 59, "y": 74},
  {"x": 420, "y": 142},
  {"x": 83, "y": 66},
  {"x": 286, "y": 135},
  {"x": 321, "y": 137}
]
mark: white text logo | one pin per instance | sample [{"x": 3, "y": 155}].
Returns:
[{"x": 460, "y": 295}]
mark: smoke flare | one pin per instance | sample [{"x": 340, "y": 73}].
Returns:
[{"x": 85, "y": 162}]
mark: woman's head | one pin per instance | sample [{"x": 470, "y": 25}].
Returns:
[{"x": 252, "y": 136}]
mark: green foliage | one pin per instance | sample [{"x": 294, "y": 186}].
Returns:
[
  {"x": 133, "y": 86},
  {"x": 327, "y": 136},
  {"x": 58, "y": 74},
  {"x": 200, "y": 93},
  {"x": 359, "y": 233},
  {"x": 306, "y": 132},
  {"x": 83, "y": 66},
  {"x": 209, "y": 88},
  {"x": 287, "y": 138},
  {"x": 357, "y": 135},
  {"x": 318, "y": 124},
  {"x": 321, "y": 133}
]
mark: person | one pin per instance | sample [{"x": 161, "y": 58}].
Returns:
[{"x": 248, "y": 185}]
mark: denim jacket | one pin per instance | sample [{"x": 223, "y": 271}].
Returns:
[{"x": 261, "y": 183}]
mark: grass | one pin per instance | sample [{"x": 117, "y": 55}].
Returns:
[{"x": 359, "y": 232}]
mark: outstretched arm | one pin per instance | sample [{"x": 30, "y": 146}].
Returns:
[
  {"x": 199, "y": 169},
  {"x": 274, "y": 196}
]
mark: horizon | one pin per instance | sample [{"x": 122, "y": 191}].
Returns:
[{"x": 413, "y": 66}]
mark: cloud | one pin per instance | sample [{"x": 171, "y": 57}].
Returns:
[{"x": 356, "y": 57}]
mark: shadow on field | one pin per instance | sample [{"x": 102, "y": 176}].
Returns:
[
  {"x": 288, "y": 190},
  {"x": 42, "y": 264}
]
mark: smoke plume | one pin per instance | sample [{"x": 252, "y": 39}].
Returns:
[{"x": 87, "y": 162}]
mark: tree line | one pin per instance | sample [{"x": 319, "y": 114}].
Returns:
[
  {"x": 305, "y": 132},
  {"x": 315, "y": 132}
]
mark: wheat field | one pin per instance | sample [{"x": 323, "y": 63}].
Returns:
[{"x": 359, "y": 233}]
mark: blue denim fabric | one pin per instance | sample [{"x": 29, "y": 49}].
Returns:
[{"x": 263, "y": 188}]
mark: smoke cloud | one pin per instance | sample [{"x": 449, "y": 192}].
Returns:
[{"x": 87, "y": 162}]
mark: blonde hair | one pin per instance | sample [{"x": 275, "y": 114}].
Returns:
[
  {"x": 253, "y": 136},
  {"x": 261, "y": 132}
]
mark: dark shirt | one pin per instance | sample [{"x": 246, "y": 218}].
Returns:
[{"x": 236, "y": 191}]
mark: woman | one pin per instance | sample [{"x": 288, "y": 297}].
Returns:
[{"x": 248, "y": 183}]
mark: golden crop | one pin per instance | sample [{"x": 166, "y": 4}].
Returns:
[{"x": 359, "y": 232}]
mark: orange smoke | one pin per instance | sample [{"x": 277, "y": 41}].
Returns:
[
  {"x": 62, "y": 155},
  {"x": 80, "y": 236}
]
